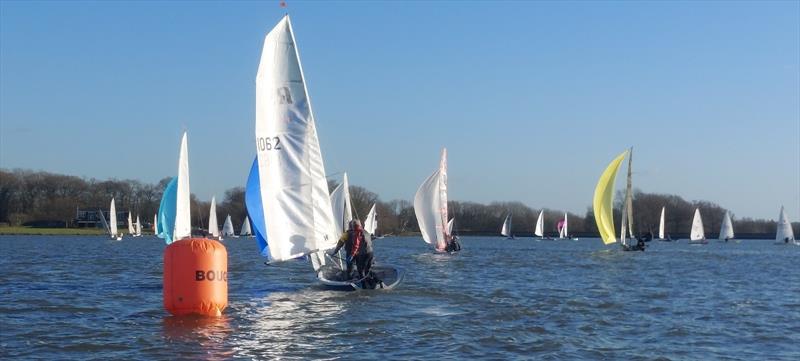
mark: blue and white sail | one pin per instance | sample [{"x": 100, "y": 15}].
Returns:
[
  {"x": 287, "y": 193},
  {"x": 174, "y": 213}
]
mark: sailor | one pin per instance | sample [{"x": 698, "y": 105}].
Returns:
[
  {"x": 453, "y": 246},
  {"x": 346, "y": 241}
]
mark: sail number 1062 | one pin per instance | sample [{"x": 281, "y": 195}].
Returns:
[{"x": 269, "y": 143}]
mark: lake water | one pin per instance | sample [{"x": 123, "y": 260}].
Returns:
[{"x": 91, "y": 298}]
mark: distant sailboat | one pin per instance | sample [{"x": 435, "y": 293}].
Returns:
[
  {"x": 213, "y": 226},
  {"x": 174, "y": 212},
  {"x": 371, "y": 223},
  {"x": 506, "y": 229},
  {"x": 697, "y": 234},
  {"x": 112, "y": 218},
  {"x": 430, "y": 207},
  {"x": 155, "y": 225},
  {"x": 784, "y": 233},
  {"x": 603, "y": 205},
  {"x": 539, "y": 231},
  {"x": 661, "y": 229},
  {"x": 341, "y": 206},
  {"x": 131, "y": 229},
  {"x": 726, "y": 231},
  {"x": 246, "y": 231},
  {"x": 138, "y": 227},
  {"x": 287, "y": 193},
  {"x": 227, "y": 228}
]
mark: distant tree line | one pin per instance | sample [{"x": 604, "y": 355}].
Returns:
[{"x": 46, "y": 199}]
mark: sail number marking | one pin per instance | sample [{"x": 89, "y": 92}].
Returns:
[{"x": 269, "y": 143}]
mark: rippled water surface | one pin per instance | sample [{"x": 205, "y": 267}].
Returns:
[{"x": 91, "y": 298}]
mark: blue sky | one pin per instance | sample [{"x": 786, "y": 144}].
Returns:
[{"x": 531, "y": 99}]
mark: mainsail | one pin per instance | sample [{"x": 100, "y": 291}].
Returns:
[
  {"x": 227, "y": 227},
  {"x": 603, "y": 200},
  {"x": 629, "y": 196},
  {"x": 726, "y": 231},
  {"x": 430, "y": 206},
  {"x": 450, "y": 224},
  {"x": 506, "y": 229},
  {"x": 661, "y": 234},
  {"x": 697, "y": 232},
  {"x": 341, "y": 206},
  {"x": 539, "y": 231},
  {"x": 287, "y": 193},
  {"x": 784, "y": 231},
  {"x": 213, "y": 227},
  {"x": 246, "y": 231},
  {"x": 112, "y": 219},
  {"x": 131, "y": 230},
  {"x": 103, "y": 222},
  {"x": 174, "y": 212},
  {"x": 371, "y": 223},
  {"x": 138, "y": 228}
]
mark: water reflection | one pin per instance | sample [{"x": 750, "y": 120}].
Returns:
[{"x": 208, "y": 333}]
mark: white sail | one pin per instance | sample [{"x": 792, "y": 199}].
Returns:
[
  {"x": 450, "y": 226},
  {"x": 784, "y": 231},
  {"x": 227, "y": 228},
  {"x": 131, "y": 230},
  {"x": 539, "y": 231},
  {"x": 246, "y": 231},
  {"x": 341, "y": 206},
  {"x": 183, "y": 220},
  {"x": 213, "y": 226},
  {"x": 566, "y": 226},
  {"x": 138, "y": 228},
  {"x": 623, "y": 228},
  {"x": 661, "y": 234},
  {"x": 506, "y": 229},
  {"x": 430, "y": 206},
  {"x": 371, "y": 223},
  {"x": 112, "y": 219},
  {"x": 697, "y": 232},
  {"x": 155, "y": 224},
  {"x": 726, "y": 231},
  {"x": 296, "y": 206}
]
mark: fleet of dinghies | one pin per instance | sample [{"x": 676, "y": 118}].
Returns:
[{"x": 292, "y": 216}]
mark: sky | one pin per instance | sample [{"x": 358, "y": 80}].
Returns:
[{"x": 531, "y": 99}]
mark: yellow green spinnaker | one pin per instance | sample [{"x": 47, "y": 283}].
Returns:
[{"x": 603, "y": 202}]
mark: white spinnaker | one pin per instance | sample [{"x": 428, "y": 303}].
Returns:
[
  {"x": 697, "y": 232},
  {"x": 430, "y": 206},
  {"x": 539, "y": 231},
  {"x": 784, "y": 230},
  {"x": 341, "y": 206},
  {"x": 506, "y": 230},
  {"x": 294, "y": 191},
  {"x": 183, "y": 220},
  {"x": 112, "y": 219},
  {"x": 227, "y": 228},
  {"x": 661, "y": 224},
  {"x": 138, "y": 226},
  {"x": 246, "y": 230},
  {"x": 131, "y": 230},
  {"x": 371, "y": 223},
  {"x": 726, "y": 231},
  {"x": 213, "y": 226}
]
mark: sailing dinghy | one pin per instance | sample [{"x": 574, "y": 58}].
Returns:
[
  {"x": 430, "y": 207},
  {"x": 726, "y": 230},
  {"x": 246, "y": 231},
  {"x": 174, "y": 212},
  {"x": 784, "y": 234},
  {"x": 138, "y": 227},
  {"x": 697, "y": 235},
  {"x": 227, "y": 228},
  {"x": 287, "y": 193},
  {"x": 112, "y": 218},
  {"x": 505, "y": 230},
  {"x": 603, "y": 206},
  {"x": 213, "y": 226}
]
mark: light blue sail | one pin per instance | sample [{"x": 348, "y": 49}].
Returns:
[
  {"x": 167, "y": 211},
  {"x": 252, "y": 201}
]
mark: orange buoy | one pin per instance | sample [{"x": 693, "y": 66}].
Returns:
[{"x": 196, "y": 277}]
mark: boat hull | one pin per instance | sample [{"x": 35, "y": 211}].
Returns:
[{"x": 332, "y": 278}]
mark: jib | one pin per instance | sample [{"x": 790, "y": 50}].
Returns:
[{"x": 211, "y": 275}]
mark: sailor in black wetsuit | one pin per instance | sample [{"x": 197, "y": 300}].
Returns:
[{"x": 453, "y": 245}]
